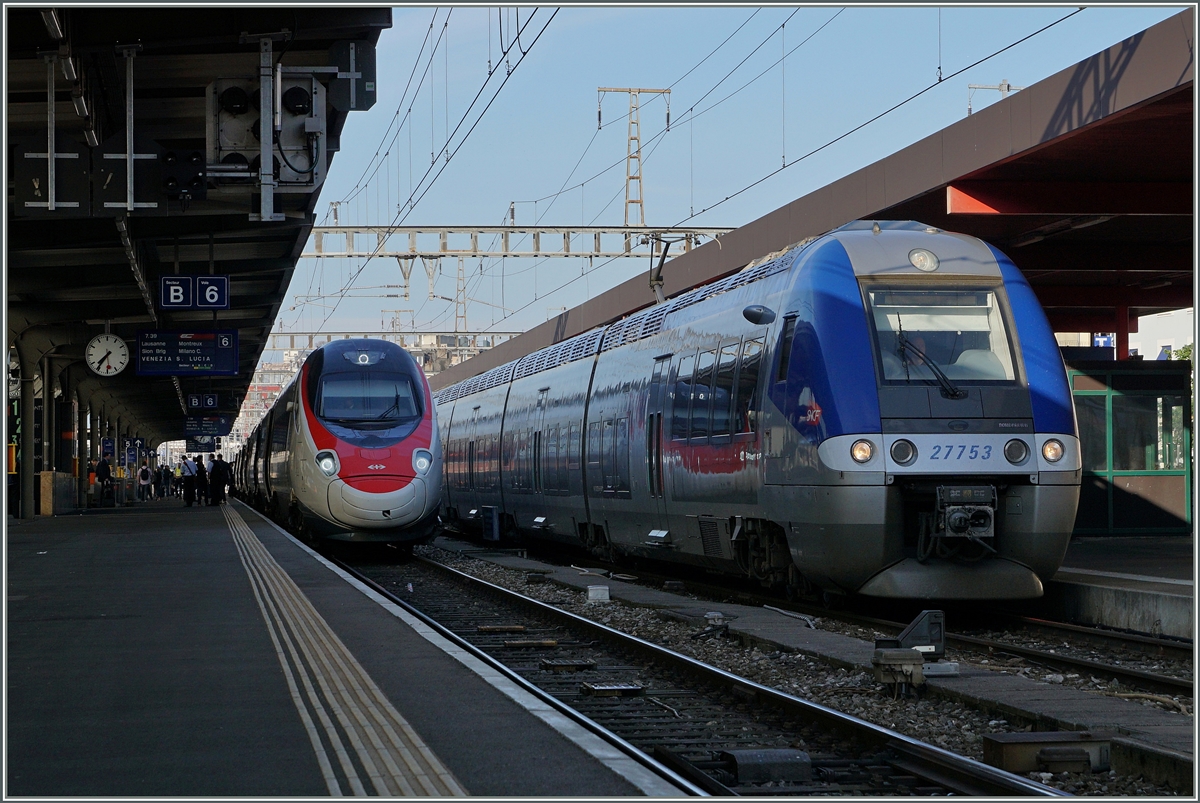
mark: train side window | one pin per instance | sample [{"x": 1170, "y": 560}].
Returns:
[
  {"x": 523, "y": 472},
  {"x": 746, "y": 403},
  {"x": 557, "y": 465},
  {"x": 609, "y": 458},
  {"x": 785, "y": 348},
  {"x": 471, "y": 464},
  {"x": 683, "y": 396},
  {"x": 539, "y": 473},
  {"x": 594, "y": 445},
  {"x": 723, "y": 390},
  {"x": 508, "y": 459},
  {"x": 574, "y": 481},
  {"x": 493, "y": 462},
  {"x": 621, "y": 484},
  {"x": 702, "y": 395}
]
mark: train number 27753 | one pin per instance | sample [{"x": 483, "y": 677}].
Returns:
[{"x": 961, "y": 451}]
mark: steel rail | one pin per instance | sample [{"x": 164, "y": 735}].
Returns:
[
  {"x": 624, "y": 747},
  {"x": 964, "y": 775},
  {"x": 1165, "y": 684}
]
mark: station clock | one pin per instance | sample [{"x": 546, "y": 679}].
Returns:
[{"x": 107, "y": 354}]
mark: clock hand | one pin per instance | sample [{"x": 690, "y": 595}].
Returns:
[{"x": 100, "y": 361}]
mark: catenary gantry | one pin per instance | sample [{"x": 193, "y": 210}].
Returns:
[{"x": 77, "y": 269}]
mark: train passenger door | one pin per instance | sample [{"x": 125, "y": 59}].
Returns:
[{"x": 654, "y": 442}]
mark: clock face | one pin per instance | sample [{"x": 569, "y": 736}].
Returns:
[{"x": 107, "y": 355}]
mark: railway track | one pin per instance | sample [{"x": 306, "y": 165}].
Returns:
[
  {"x": 727, "y": 735},
  {"x": 1171, "y": 650}
]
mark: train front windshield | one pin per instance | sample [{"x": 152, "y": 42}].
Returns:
[
  {"x": 961, "y": 331},
  {"x": 368, "y": 396}
]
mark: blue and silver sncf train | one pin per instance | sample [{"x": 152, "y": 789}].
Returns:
[{"x": 881, "y": 410}]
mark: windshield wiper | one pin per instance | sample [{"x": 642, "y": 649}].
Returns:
[
  {"x": 949, "y": 389},
  {"x": 395, "y": 406}
]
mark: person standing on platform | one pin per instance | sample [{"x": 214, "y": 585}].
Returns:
[
  {"x": 201, "y": 481},
  {"x": 177, "y": 479},
  {"x": 218, "y": 478},
  {"x": 187, "y": 470},
  {"x": 208, "y": 468}
]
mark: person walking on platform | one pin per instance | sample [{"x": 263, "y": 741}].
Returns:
[
  {"x": 201, "y": 481},
  {"x": 144, "y": 482},
  {"x": 187, "y": 470},
  {"x": 104, "y": 477},
  {"x": 177, "y": 479}
]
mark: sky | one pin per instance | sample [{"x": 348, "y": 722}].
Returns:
[{"x": 752, "y": 89}]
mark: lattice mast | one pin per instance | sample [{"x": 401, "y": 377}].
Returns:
[{"x": 633, "y": 158}]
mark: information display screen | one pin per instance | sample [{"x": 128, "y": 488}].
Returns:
[
  {"x": 163, "y": 353},
  {"x": 208, "y": 425}
]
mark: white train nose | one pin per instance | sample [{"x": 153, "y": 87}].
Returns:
[{"x": 356, "y": 508}]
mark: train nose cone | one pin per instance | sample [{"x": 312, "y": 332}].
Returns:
[{"x": 365, "y": 508}]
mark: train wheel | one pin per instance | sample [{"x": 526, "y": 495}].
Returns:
[{"x": 833, "y": 600}]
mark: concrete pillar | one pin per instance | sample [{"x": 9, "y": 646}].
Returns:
[
  {"x": 47, "y": 415},
  {"x": 81, "y": 441},
  {"x": 94, "y": 431},
  {"x": 29, "y": 371}
]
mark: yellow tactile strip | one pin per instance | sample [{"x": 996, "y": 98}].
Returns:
[{"x": 342, "y": 709}]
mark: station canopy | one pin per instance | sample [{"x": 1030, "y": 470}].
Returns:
[{"x": 93, "y": 262}]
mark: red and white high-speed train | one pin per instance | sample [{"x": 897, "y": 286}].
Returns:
[{"x": 350, "y": 450}]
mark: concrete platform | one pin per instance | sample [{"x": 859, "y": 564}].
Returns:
[
  {"x": 1141, "y": 583},
  {"x": 160, "y": 651},
  {"x": 1160, "y": 742}
]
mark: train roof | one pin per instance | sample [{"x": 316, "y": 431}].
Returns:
[{"x": 648, "y": 321}]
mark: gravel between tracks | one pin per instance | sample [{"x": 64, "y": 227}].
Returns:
[{"x": 940, "y": 722}]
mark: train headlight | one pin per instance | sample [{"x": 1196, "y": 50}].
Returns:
[
  {"x": 1015, "y": 451},
  {"x": 422, "y": 461},
  {"x": 1052, "y": 450},
  {"x": 904, "y": 452},
  {"x": 327, "y": 462},
  {"x": 923, "y": 260},
  {"x": 862, "y": 451}
]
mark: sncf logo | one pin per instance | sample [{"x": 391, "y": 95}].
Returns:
[{"x": 377, "y": 466}]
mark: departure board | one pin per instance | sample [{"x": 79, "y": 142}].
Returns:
[
  {"x": 207, "y": 425},
  {"x": 211, "y": 353}
]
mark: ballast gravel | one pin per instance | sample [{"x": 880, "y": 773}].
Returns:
[{"x": 945, "y": 723}]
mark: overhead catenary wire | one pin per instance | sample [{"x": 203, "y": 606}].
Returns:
[
  {"x": 402, "y": 215},
  {"x": 882, "y": 114},
  {"x": 416, "y": 62},
  {"x": 654, "y": 98},
  {"x": 822, "y": 147},
  {"x": 655, "y": 141},
  {"x": 411, "y": 203}
]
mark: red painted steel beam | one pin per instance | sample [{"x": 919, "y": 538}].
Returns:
[
  {"x": 1068, "y": 198},
  {"x": 1091, "y": 320},
  {"x": 1061, "y": 295},
  {"x": 1103, "y": 256}
]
